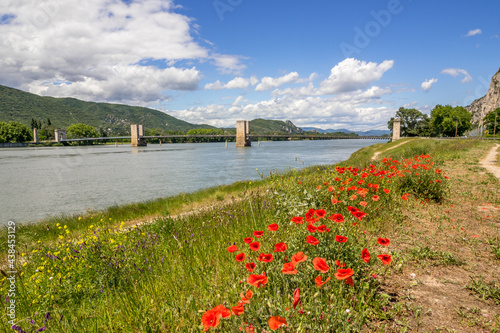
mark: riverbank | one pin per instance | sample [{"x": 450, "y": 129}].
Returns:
[{"x": 445, "y": 254}]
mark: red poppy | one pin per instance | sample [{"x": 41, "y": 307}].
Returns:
[
  {"x": 237, "y": 310},
  {"x": 297, "y": 219},
  {"x": 330, "y": 188},
  {"x": 322, "y": 228},
  {"x": 353, "y": 197},
  {"x": 264, "y": 257},
  {"x": 340, "y": 264},
  {"x": 311, "y": 228},
  {"x": 320, "y": 213},
  {"x": 258, "y": 234},
  {"x": 340, "y": 239},
  {"x": 386, "y": 190},
  {"x": 232, "y": 248},
  {"x": 335, "y": 201},
  {"x": 310, "y": 213},
  {"x": 375, "y": 198},
  {"x": 296, "y": 298},
  {"x": 312, "y": 220},
  {"x": 240, "y": 257},
  {"x": 250, "y": 266},
  {"x": 254, "y": 246},
  {"x": 245, "y": 298},
  {"x": 312, "y": 240},
  {"x": 359, "y": 215},
  {"x": 384, "y": 241},
  {"x": 337, "y": 218},
  {"x": 299, "y": 257},
  {"x": 211, "y": 318},
  {"x": 280, "y": 247},
  {"x": 319, "y": 281},
  {"x": 365, "y": 255},
  {"x": 289, "y": 268},
  {"x": 349, "y": 282},
  {"x": 385, "y": 258},
  {"x": 320, "y": 265},
  {"x": 276, "y": 322},
  {"x": 363, "y": 203},
  {"x": 248, "y": 240},
  {"x": 257, "y": 280},
  {"x": 343, "y": 273},
  {"x": 273, "y": 227},
  {"x": 352, "y": 209},
  {"x": 404, "y": 197}
]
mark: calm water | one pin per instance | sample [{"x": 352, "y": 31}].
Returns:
[{"x": 40, "y": 182}]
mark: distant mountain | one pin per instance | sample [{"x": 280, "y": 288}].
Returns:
[
  {"x": 343, "y": 130},
  {"x": 21, "y": 106},
  {"x": 267, "y": 126},
  {"x": 489, "y": 102}
]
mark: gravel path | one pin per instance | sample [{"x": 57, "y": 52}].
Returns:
[{"x": 489, "y": 162}]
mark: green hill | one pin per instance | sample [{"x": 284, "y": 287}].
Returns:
[
  {"x": 21, "y": 106},
  {"x": 265, "y": 126}
]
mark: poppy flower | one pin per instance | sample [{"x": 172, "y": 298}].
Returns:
[
  {"x": 375, "y": 198},
  {"x": 311, "y": 228},
  {"x": 353, "y": 197},
  {"x": 297, "y": 219},
  {"x": 320, "y": 213},
  {"x": 289, "y": 268},
  {"x": 265, "y": 257},
  {"x": 340, "y": 264},
  {"x": 240, "y": 257},
  {"x": 299, "y": 257},
  {"x": 384, "y": 241},
  {"x": 296, "y": 298},
  {"x": 258, "y": 234},
  {"x": 257, "y": 280},
  {"x": 385, "y": 258},
  {"x": 210, "y": 319},
  {"x": 320, "y": 265},
  {"x": 310, "y": 213},
  {"x": 322, "y": 228},
  {"x": 237, "y": 310},
  {"x": 273, "y": 227},
  {"x": 352, "y": 209},
  {"x": 340, "y": 239},
  {"x": 363, "y": 203},
  {"x": 280, "y": 247},
  {"x": 312, "y": 220},
  {"x": 359, "y": 215},
  {"x": 248, "y": 240},
  {"x": 404, "y": 197},
  {"x": 337, "y": 218},
  {"x": 276, "y": 322},
  {"x": 330, "y": 188},
  {"x": 365, "y": 255},
  {"x": 220, "y": 309},
  {"x": 335, "y": 201},
  {"x": 250, "y": 266},
  {"x": 349, "y": 282},
  {"x": 245, "y": 298},
  {"x": 343, "y": 273},
  {"x": 312, "y": 240},
  {"x": 254, "y": 246},
  {"x": 386, "y": 190},
  {"x": 319, "y": 281},
  {"x": 232, "y": 248}
]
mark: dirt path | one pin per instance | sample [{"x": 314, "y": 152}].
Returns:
[
  {"x": 489, "y": 162},
  {"x": 374, "y": 157}
]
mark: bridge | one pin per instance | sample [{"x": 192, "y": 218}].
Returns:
[{"x": 243, "y": 136}]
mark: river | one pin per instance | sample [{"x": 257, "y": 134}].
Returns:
[{"x": 40, "y": 182}]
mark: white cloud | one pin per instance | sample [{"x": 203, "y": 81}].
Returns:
[
  {"x": 427, "y": 84},
  {"x": 236, "y": 83},
  {"x": 71, "y": 47},
  {"x": 268, "y": 83},
  {"x": 456, "y": 72},
  {"x": 474, "y": 32}
]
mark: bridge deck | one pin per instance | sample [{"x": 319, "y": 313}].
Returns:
[{"x": 304, "y": 136}]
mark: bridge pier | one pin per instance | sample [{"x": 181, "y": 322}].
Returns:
[
  {"x": 35, "y": 136},
  {"x": 396, "y": 129},
  {"x": 136, "y": 136},
  {"x": 242, "y": 132},
  {"x": 59, "y": 135}
]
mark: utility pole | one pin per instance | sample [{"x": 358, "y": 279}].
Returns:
[
  {"x": 495, "y": 127},
  {"x": 456, "y": 128}
]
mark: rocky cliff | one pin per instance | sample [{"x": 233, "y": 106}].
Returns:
[{"x": 489, "y": 102}]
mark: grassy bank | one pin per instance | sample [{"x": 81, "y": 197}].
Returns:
[{"x": 364, "y": 225}]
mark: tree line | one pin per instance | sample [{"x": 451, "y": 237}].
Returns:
[{"x": 444, "y": 121}]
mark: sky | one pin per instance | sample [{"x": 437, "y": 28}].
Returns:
[{"x": 324, "y": 63}]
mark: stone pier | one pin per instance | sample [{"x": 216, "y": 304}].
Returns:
[
  {"x": 396, "y": 129},
  {"x": 59, "y": 135},
  {"x": 136, "y": 136},
  {"x": 242, "y": 132},
  {"x": 35, "y": 136}
]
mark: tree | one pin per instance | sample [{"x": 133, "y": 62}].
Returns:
[
  {"x": 14, "y": 131},
  {"x": 450, "y": 121},
  {"x": 489, "y": 121},
  {"x": 76, "y": 131},
  {"x": 410, "y": 121}
]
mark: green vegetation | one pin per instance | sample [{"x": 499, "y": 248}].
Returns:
[
  {"x": 81, "y": 131},
  {"x": 491, "y": 120},
  {"x": 14, "y": 132},
  {"x": 413, "y": 123},
  {"x": 265, "y": 126},
  {"x": 450, "y": 121}
]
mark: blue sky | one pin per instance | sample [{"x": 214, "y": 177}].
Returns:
[{"x": 327, "y": 64}]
